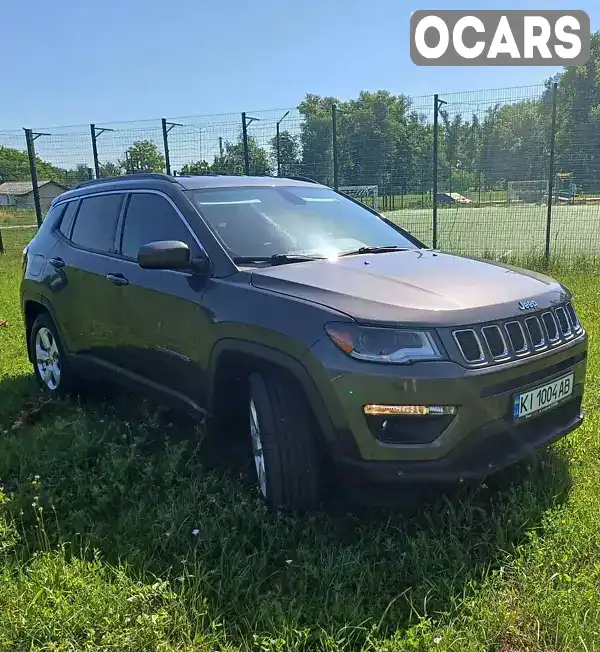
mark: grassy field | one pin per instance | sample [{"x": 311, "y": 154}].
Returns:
[
  {"x": 516, "y": 230},
  {"x": 117, "y": 532},
  {"x": 16, "y": 216}
]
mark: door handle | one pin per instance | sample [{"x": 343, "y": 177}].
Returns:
[
  {"x": 57, "y": 263},
  {"x": 117, "y": 279}
]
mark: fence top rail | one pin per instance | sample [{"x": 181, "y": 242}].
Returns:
[{"x": 515, "y": 92}]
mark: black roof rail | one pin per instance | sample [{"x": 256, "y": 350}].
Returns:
[
  {"x": 298, "y": 178},
  {"x": 129, "y": 177}
]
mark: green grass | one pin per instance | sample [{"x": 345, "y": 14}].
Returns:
[
  {"x": 117, "y": 532},
  {"x": 509, "y": 231},
  {"x": 424, "y": 200},
  {"x": 10, "y": 216}
]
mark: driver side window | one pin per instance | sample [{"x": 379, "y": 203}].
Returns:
[{"x": 150, "y": 218}]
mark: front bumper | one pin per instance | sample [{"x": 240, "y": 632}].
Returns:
[
  {"x": 486, "y": 451},
  {"x": 481, "y": 438}
]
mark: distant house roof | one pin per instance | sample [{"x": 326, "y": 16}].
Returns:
[{"x": 23, "y": 187}]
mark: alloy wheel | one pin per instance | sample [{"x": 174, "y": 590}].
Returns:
[
  {"x": 47, "y": 358},
  {"x": 257, "y": 449}
]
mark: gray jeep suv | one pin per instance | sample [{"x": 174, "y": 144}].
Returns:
[{"x": 337, "y": 339}]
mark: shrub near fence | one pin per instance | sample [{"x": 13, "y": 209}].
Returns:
[{"x": 505, "y": 173}]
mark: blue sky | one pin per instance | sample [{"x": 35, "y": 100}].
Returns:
[{"x": 88, "y": 61}]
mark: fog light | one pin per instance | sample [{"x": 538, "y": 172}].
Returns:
[{"x": 415, "y": 410}]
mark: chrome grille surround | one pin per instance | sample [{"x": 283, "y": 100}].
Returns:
[
  {"x": 470, "y": 360},
  {"x": 574, "y": 319},
  {"x": 535, "y": 329},
  {"x": 521, "y": 350},
  {"x": 564, "y": 323},
  {"x": 538, "y": 343},
  {"x": 487, "y": 333},
  {"x": 546, "y": 316}
]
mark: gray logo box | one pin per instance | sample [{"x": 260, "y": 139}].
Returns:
[{"x": 515, "y": 37}]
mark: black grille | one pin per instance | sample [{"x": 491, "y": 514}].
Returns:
[
  {"x": 563, "y": 322},
  {"x": 536, "y": 334},
  {"x": 495, "y": 341},
  {"x": 469, "y": 345},
  {"x": 573, "y": 317},
  {"x": 550, "y": 326},
  {"x": 516, "y": 336}
]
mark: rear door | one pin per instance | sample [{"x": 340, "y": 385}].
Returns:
[
  {"x": 161, "y": 317},
  {"x": 80, "y": 294}
]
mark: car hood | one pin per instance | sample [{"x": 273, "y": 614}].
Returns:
[{"x": 414, "y": 286}]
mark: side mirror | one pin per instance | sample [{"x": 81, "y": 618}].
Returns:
[{"x": 164, "y": 254}]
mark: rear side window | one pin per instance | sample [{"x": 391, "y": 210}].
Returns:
[
  {"x": 151, "y": 218},
  {"x": 51, "y": 218},
  {"x": 67, "y": 218},
  {"x": 96, "y": 222}
]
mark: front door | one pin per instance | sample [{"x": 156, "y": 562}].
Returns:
[{"x": 161, "y": 318}]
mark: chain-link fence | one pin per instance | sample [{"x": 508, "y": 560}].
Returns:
[{"x": 501, "y": 173}]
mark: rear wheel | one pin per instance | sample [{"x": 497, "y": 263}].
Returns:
[
  {"x": 284, "y": 449},
  {"x": 50, "y": 363}
]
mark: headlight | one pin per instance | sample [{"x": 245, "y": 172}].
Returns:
[{"x": 397, "y": 346}]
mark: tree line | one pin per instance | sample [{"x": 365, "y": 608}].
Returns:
[{"x": 384, "y": 140}]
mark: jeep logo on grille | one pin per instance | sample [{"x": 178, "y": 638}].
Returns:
[{"x": 527, "y": 305}]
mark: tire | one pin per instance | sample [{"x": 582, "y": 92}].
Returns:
[
  {"x": 283, "y": 445},
  {"x": 50, "y": 363}
]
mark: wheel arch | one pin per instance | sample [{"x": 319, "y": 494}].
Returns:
[
  {"x": 32, "y": 309},
  {"x": 251, "y": 356}
]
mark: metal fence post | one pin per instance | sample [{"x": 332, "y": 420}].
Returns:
[
  {"x": 245, "y": 139},
  {"x": 277, "y": 143},
  {"x": 95, "y": 132},
  {"x": 334, "y": 145},
  {"x": 277, "y": 148},
  {"x": 166, "y": 144},
  {"x": 34, "y": 176},
  {"x": 435, "y": 169},
  {"x": 95, "y": 150},
  {"x": 166, "y": 128},
  {"x": 551, "y": 170}
]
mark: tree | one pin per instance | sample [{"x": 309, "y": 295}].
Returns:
[
  {"x": 578, "y": 119},
  {"x": 232, "y": 160},
  {"x": 381, "y": 140},
  {"x": 289, "y": 154},
  {"x": 315, "y": 137},
  {"x": 143, "y": 156},
  {"x": 110, "y": 169},
  {"x": 14, "y": 166},
  {"x": 515, "y": 142},
  {"x": 80, "y": 173},
  {"x": 196, "y": 168}
]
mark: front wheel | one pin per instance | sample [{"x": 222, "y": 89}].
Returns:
[{"x": 283, "y": 442}]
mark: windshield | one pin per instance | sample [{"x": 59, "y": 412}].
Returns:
[{"x": 293, "y": 220}]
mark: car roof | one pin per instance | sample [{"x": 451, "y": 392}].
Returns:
[
  {"x": 156, "y": 181},
  {"x": 195, "y": 182}
]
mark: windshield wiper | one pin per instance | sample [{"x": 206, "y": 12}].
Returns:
[
  {"x": 374, "y": 250},
  {"x": 277, "y": 259}
]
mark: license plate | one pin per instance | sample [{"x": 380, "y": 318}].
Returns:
[{"x": 542, "y": 398}]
